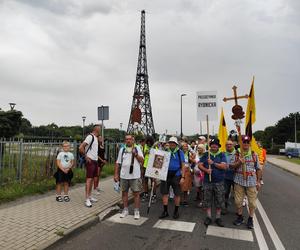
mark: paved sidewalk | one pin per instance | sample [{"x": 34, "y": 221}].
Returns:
[
  {"x": 38, "y": 223},
  {"x": 286, "y": 165}
]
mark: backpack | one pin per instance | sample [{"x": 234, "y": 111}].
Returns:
[{"x": 82, "y": 157}]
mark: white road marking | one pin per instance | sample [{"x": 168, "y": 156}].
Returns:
[
  {"x": 175, "y": 225},
  {"x": 230, "y": 233},
  {"x": 127, "y": 220},
  {"x": 258, "y": 233},
  {"x": 274, "y": 236}
]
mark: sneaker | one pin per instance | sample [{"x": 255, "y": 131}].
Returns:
[
  {"x": 92, "y": 199},
  {"x": 176, "y": 215},
  {"x": 207, "y": 221},
  {"x": 250, "y": 223},
  {"x": 164, "y": 215},
  {"x": 59, "y": 198},
  {"x": 88, "y": 203},
  {"x": 239, "y": 220},
  {"x": 262, "y": 182},
  {"x": 200, "y": 205},
  {"x": 66, "y": 198},
  {"x": 136, "y": 214},
  {"x": 124, "y": 213},
  {"x": 96, "y": 192},
  {"x": 219, "y": 222}
]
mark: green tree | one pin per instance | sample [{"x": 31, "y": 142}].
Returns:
[{"x": 10, "y": 123}]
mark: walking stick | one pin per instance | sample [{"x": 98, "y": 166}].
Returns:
[
  {"x": 238, "y": 128},
  {"x": 209, "y": 167},
  {"x": 150, "y": 199}
]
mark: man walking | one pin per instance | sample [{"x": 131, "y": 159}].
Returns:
[
  {"x": 89, "y": 149},
  {"x": 174, "y": 179},
  {"x": 248, "y": 186},
  {"x": 213, "y": 189},
  {"x": 128, "y": 172},
  {"x": 231, "y": 159}
]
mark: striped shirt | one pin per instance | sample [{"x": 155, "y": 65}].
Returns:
[{"x": 252, "y": 165}]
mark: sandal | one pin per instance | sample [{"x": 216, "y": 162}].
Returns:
[
  {"x": 59, "y": 198},
  {"x": 66, "y": 198}
]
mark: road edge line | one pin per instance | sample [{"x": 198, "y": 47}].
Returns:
[{"x": 274, "y": 236}]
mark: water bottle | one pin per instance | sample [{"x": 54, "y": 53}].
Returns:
[{"x": 117, "y": 186}]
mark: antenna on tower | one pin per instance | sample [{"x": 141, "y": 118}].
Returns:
[{"x": 140, "y": 119}]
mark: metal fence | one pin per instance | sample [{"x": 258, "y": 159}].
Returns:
[{"x": 31, "y": 161}]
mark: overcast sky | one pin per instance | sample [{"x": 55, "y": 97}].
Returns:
[{"x": 61, "y": 59}]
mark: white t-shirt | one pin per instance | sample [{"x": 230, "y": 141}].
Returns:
[
  {"x": 93, "y": 151},
  {"x": 124, "y": 174},
  {"x": 65, "y": 158}
]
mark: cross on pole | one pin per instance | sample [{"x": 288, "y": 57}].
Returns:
[
  {"x": 235, "y": 96},
  {"x": 238, "y": 114}
]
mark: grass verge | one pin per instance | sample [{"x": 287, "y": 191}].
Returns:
[
  {"x": 15, "y": 190},
  {"x": 293, "y": 160}
]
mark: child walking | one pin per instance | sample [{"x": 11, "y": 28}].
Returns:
[{"x": 64, "y": 174}]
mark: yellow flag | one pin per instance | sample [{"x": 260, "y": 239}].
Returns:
[
  {"x": 223, "y": 135},
  {"x": 256, "y": 148},
  {"x": 251, "y": 110}
]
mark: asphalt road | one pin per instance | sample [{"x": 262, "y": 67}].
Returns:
[{"x": 278, "y": 219}]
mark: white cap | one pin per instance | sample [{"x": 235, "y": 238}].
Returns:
[
  {"x": 201, "y": 137},
  {"x": 173, "y": 139}
]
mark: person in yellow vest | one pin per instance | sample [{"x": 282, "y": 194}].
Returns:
[
  {"x": 262, "y": 161},
  {"x": 248, "y": 186},
  {"x": 146, "y": 151}
]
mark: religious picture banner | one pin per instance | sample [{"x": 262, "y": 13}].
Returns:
[
  {"x": 158, "y": 164},
  {"x": 207, "y": 104}
]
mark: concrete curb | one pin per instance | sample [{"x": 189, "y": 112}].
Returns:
[{"x": 285, "y": 169}]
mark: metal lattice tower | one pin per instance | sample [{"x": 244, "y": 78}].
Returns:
[{"x": 140, "y": 119}]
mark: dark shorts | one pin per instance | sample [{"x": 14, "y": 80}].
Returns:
[
  {"x": 172, "y": 180},
  {"x": 214, "y": 192},
  {"x": 61, "y": 177},
  {"x": 91, "y": 169}
]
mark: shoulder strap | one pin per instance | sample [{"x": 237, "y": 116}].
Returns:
[
  {"x": 179, "y": 157},
  {"x": 91, "y": 144},
  {"x": 123, "y": 151}
]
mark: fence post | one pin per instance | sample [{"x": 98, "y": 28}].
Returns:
[{"x": 20, "y": 160}]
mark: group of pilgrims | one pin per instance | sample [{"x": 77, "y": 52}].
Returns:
[{"x": 198, "y": 170}]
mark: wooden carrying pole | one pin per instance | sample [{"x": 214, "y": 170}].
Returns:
[
  {"x": 238, "y": 128},
  {"x": 208, "y": 147}
]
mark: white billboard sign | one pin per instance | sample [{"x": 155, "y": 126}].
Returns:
[{"x": 207, "y": 104}]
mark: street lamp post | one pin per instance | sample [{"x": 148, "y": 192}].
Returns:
[
  {"x": 12, "y": 105},
  {"x": 296, "y": 129},
  {"x": 83, "y": 132},
  {"x": 181, "y": 114},
  {"x": 120, "y": 131}
]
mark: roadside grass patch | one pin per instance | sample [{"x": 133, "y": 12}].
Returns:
[{"x": 15, "y": 189}]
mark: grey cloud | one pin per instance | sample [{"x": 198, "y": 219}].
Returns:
[{"x": 83, "y": 8}]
